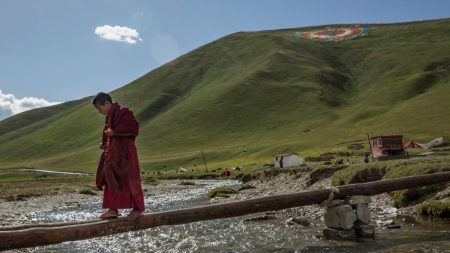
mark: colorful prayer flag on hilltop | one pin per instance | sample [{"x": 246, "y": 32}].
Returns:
[{"x": 333, "y": 34}]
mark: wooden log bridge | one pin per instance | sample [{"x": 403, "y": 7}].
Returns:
[{"x": 44, "y": 234}]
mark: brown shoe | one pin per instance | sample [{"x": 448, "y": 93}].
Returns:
[
  {"x": 134, "y": 214},
  {"x": 110, "y": 214}
]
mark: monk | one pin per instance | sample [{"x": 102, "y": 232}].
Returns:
[{"x": 118, "y": 173}]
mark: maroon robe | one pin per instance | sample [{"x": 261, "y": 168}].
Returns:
[{"x": 118, "y": 168}]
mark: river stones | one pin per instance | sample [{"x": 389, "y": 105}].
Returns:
[
  {"x": 298, "y": 221},
  {"x": 261, "y": 218}
]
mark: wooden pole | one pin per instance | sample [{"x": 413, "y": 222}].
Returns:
[
  {"x": 204, "y": 160},
  {"x": 45, "y": 235},
  {"x": 370, "y": 146}
]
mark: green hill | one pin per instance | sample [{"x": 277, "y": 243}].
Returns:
[{"x": 249, "y": 95}]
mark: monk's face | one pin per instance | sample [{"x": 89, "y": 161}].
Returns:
[{"x": 103, "y": 109}]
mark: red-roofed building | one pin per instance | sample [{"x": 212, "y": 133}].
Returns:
[{"x": 388, "y": 146}]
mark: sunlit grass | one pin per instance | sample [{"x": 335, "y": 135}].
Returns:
[{"x": 250, "y": 95}]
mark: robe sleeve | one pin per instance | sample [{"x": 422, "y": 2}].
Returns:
[{"x": 100, "y": 176}]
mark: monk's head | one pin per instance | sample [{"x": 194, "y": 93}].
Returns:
[{"x": 102, "y": 102}]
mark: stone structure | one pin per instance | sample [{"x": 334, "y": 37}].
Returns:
[{"x": 348, "y": 219}]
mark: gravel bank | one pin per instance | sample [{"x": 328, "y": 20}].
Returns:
[{"x": 285, "y": 183}]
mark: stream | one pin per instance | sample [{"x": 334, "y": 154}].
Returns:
[{"x": 235, "y": 234}]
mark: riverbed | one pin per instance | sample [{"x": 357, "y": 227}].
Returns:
[{"x": 225, "y": 235}]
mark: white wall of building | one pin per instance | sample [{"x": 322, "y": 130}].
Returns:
[{"x": 288, "y": 161}]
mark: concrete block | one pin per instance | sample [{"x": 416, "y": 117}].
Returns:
[
  {"x": 336, "y": 202},
  {"x": 358, "y": 199},
  {"x": 363, "y": 213},
  {"x": 339, "y": 234},
  {"x": 342, "y": 216},
  {"x": 364, "y": 231}
]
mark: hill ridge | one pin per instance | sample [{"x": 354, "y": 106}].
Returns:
[{"x": 263, "y": 92}]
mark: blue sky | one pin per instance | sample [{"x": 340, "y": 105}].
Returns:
[{"x": 49, "y": 49}]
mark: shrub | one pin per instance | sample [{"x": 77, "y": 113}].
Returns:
[{"x": 435, "y": 208}]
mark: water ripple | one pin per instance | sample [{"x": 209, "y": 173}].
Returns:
[{"x": 224, "y": 235}]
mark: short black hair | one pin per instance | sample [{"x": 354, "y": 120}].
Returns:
[{"x": 101, "y": 98}]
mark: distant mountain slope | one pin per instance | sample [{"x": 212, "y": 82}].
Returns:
[
  {"x": 16, "y": 122},
  {"x": 249, "y": 95}
]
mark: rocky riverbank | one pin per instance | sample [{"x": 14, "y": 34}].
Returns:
[
  {"x": 20, "y": 210},
  {"x": 381, "y": 206}
]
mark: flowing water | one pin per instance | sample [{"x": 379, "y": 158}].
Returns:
[{"x": 236, "y": 235}]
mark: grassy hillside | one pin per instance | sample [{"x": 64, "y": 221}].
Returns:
[{"x": 249, "y": 95}]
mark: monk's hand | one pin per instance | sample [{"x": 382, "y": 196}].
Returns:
[{"x": 109, "y": 132}]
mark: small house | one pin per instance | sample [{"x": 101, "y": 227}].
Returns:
[
  {"x": 286, "y": 160},
  {"x": 389, "y": 146}
]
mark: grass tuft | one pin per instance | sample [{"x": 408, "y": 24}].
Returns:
[
  {"x": 436, "y": 208},
  {"x": 87, "y": 192},
  {"x": 221, "y": 192}
]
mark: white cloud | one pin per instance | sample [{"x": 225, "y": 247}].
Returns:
[
  {"x": 118, "y": 33},
  {"x": 10, "y": 105}
]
